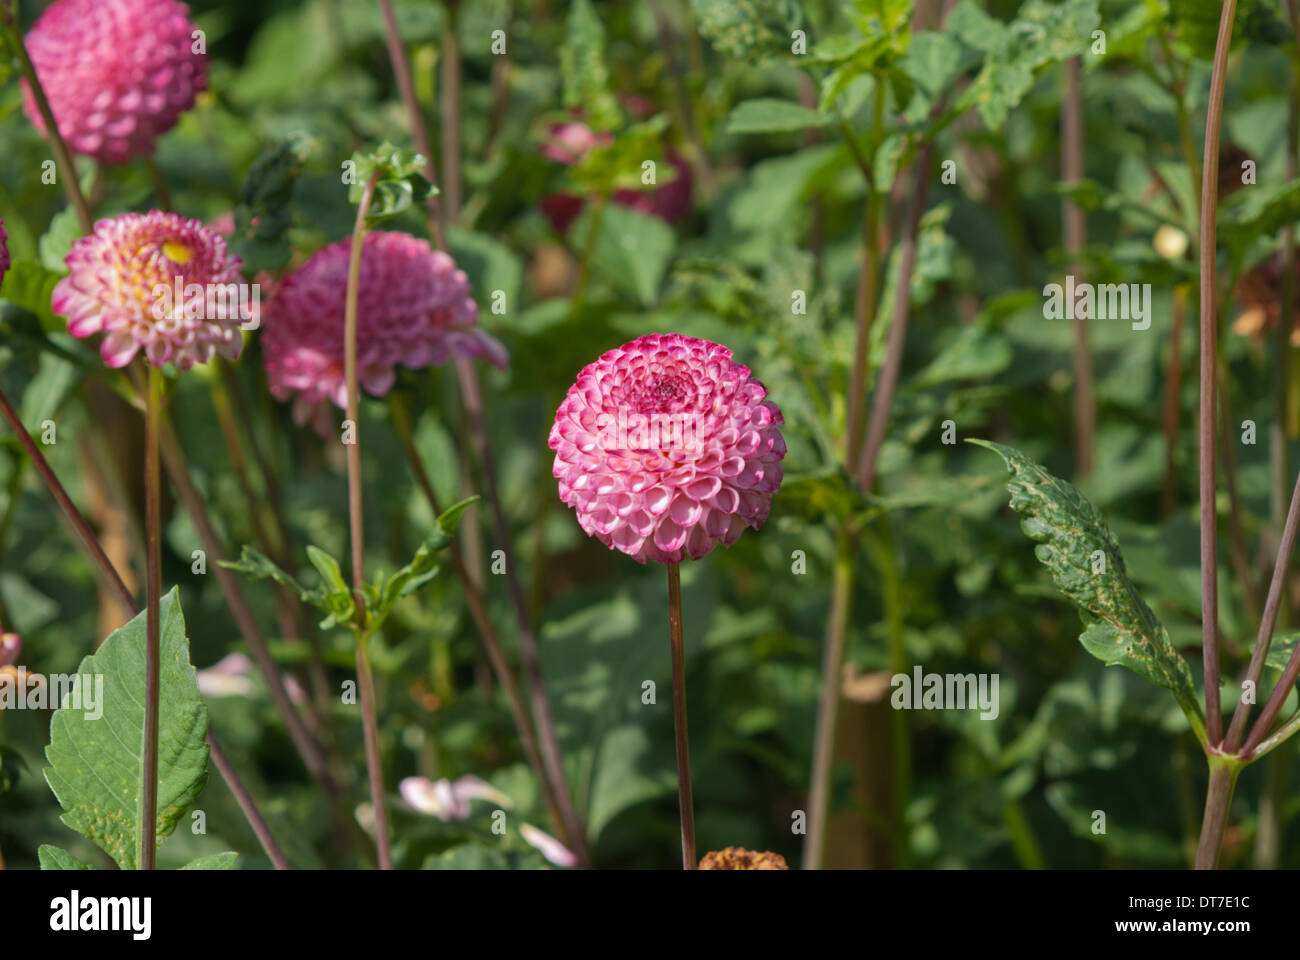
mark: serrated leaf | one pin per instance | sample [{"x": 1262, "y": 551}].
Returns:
[
  {"x": 768, "y": 115},
  {"x": 96, "y": 763},
  {"x": 1083, "y": 557},
  {"x": 1042, "y": 33},
  {"x": 213, "y": 861},
  {"x": 749, "y": 29},
  {"x": 56, "y": 858}
]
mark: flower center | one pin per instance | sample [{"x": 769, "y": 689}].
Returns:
[
  {"x": 177, "y": 252},
  {"x": 661, "y": 393}
]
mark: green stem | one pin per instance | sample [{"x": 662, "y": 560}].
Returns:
[
  {"x": 1022, "y": 836},
  {"x": 1218, "y": 797}
]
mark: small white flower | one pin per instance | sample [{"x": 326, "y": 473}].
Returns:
[{"x": 449, "y": 800}]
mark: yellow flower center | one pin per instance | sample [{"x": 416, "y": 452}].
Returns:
[{"x": 177, "y": 252}]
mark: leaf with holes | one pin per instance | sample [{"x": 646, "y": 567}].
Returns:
[{"x": 1082, "y": 554}]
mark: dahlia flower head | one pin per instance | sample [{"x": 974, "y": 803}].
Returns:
[
  {"x": 665, "y": 447},
  {"x": 112, "y": 289},
  {"x": 118, "y": 73},
  {"x": 414, "y": 310},
  {"x": 568, "y": 143}
]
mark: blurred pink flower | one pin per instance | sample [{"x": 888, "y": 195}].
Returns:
[
  {"x": 11, "y": 645},
  {"x": 569, "y": 142},
  {"x": 224, "y": 224},
  {"x": 4, "y": 252},
  {"x": 112, "y": 290},
  {"x": 449, "y": 800},
  {"x": 665, "y": 447},
  {"x": 550, "y": 848},
  {"x": 118, "y": 73},
  {"x": 413, "y": 310},
  {"x": 228, "y": 677},
  {"x": 231, "y": 676}
]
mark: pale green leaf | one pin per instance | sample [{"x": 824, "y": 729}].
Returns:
[
  {"x": 213, "y": 861},
  {"x": 96, "y": 763},
  {"x": 766, "y": 115},
  {"x": 55, "y": 858}
]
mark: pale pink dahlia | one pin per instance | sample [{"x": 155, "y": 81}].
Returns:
[
  {"x": 118, "y": 73},
  {"x": 123, "y": 280},
  {"x": 666, "y": 447},
  {"x": 413, "y": 310}
]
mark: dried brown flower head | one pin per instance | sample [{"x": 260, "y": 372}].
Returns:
[{"x": 738, "y": 858}]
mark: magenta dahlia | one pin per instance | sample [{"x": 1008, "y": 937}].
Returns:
[
  {"x": 4, "y": 252},
  {"x": 118, "y": 73},
  {"x": 123, "y": 280},
  {"x": 414, "y": 310},
  {"x": 666, "y": 447}
]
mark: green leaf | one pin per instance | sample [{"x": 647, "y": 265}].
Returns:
[
  {"x": 633, "y": 249},
  {"x": 339, "y": 601},
  {"x": 335, "y": 599},
  {"x": 96, "y": 762},
  {"x": 213, "y": 861},
  {"x": 30, "y": 285},
  {"x": 264, "y": 214},
  {"x": 754, "y": 30},
  {"x": 582, "y": 64},
  {"x": 257, "y": 566},
  {"x": 54, "y": 246},
  {"x": 1279, "y": 652},
  {"x": 399, "y": 181},
  {"x": 767, "y": 115},
  {"x": 55, "y": 858},
  {"x": 423, "y": 567},
  {"x": 1042, "y": 33},
  {"x": 1078, "y": 548}
]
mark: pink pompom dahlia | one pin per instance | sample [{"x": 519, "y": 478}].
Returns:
[
  {"x": 118, "y": 73},
  {"x": 666, "y": 447},
  {"x": 413, "y": 310},
  {"x": 116, "y": 287}
]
